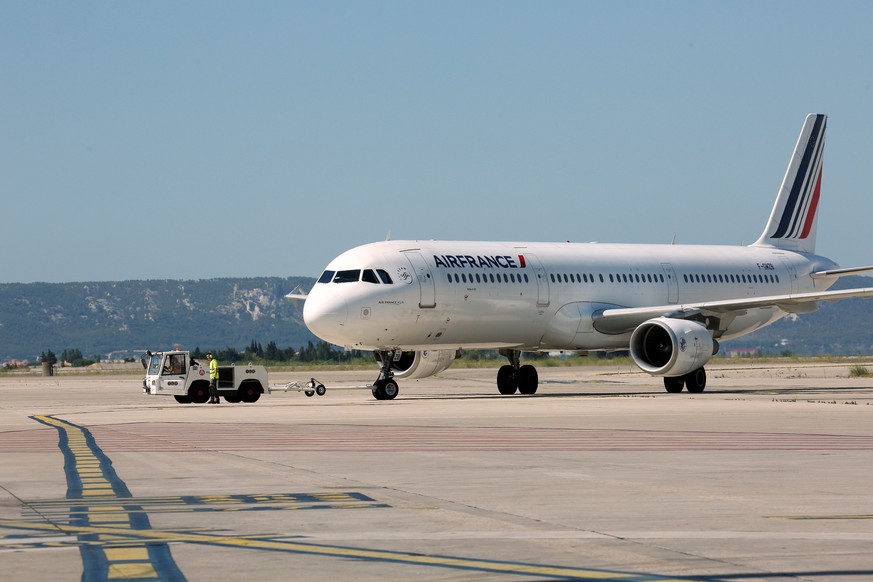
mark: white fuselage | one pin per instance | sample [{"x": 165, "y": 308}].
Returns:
[{"x": 537, "y": 296}]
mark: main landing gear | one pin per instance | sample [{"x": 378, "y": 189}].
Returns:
[
  {"x": 514, "y": 377},
  {"x": 385, "y": 387},
  {"x": 694, "y": 381}
]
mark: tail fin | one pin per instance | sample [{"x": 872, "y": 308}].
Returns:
[{"x": 793, "y": 220}]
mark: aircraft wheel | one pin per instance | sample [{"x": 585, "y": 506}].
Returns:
[
  {"x": 309, "y": 392},
  {"x": 506, "y": 381},
  {"x": 674, "y": 384},
  {"x": 385, "y": 390},
  {"x": 528, "y": 379},
  {"x": 696, "y": 381},
  {"x": 182, "y": 399},
  {"x": 320, "y": 390}
]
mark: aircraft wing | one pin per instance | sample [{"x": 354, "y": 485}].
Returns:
[{"x": 625, "y": 319}]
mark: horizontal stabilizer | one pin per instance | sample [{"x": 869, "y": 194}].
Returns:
[{"x": 841, "y": 272}]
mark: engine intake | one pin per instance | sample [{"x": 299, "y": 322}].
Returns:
[
  {"x": 671, "y": 347},
  {"x": 421, "y": 364}
]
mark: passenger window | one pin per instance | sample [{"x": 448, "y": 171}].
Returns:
[
  {"x": 526, "y": 280},
  {"x": 351, "y": 276},
  {"x": 326, "y": 277},
  {"x": 369, "y": 276},
  {"x": 601, "y": 277},
  {"x": 477, "y": 278},
  {"x": 386, "y": 278}
]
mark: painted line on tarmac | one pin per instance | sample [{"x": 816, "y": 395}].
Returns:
[
  {"x": 454, "y": 562},
  {"x": 116, "y": 540},
  {"x": 91, "y": 481}
]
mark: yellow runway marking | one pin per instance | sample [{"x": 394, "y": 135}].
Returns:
[
  {"x": 116, "y": 540},
  {"x": 339, "y": 551}
]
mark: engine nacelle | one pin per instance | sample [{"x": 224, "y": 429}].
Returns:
[
  {"x": 671, "y": 347},
  {"x": 421, "y": 364}
]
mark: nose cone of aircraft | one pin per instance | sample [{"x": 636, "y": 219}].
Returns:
[{"x": 326, "y": 316}]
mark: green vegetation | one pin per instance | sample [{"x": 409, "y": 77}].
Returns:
[{"x": 859, "y": 372}]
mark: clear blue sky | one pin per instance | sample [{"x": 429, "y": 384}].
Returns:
[{"x": 264, "y": 138}]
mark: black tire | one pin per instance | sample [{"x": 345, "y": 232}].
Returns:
[
  {"x": 390, "y": 390},
  {"x": 199, "y": 393},
  {"x": 320, "y": 390},
  {"x": 182, "y": 399},
  {"x": 696, "y": 381},
  {"x": 309, "y": 392},
  {"x": 232, "y": 398},
  {"x": 527, "y": 379},
  {"x": 506, "y": 381},
  {"x": 249, "y": 391},
  {"x": 674, "y": 384},
  {"x": 385, "y": 390}
]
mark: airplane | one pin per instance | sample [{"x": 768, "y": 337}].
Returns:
[{"x": 415, "y": 304}]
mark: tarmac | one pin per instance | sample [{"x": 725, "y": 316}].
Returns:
[{"x": 601, "y": 475}]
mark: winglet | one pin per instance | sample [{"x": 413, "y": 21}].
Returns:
[{"x": 792, "y": 223}]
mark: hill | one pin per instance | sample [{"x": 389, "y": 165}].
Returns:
[{"x": 98, "y": 318}]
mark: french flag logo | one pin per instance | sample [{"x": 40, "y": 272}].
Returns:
[{"x": 801, "y": 205}]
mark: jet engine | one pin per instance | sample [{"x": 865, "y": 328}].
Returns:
[
  {"x": 420, "y": 364},
  {"x": 671, "y": 347}
]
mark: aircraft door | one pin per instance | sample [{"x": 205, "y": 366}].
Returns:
[
  {"x": 792, "y": 272},
  {"x": 543, "y": 298},
  {"x": 426, "y": 284},
  {"x": 672, "y": 283}
]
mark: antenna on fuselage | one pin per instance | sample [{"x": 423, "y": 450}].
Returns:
[
  {"x": 673, "y": 242},
  {"x": 388, "y": 236}
]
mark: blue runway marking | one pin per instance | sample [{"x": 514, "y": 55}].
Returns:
[
  {"x": 116, "y": 541},
  {"x": 91, "y": 477}
]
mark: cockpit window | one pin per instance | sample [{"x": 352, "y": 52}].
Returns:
[
  {"x": 386, "y": 278},
  {"x": 352, "y": 276},
  {"x": 326, "y": 277},
  {"x": 369, "y": 277}
]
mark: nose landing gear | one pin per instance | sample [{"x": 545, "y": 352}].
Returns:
[{"x": 385, "y": 387}]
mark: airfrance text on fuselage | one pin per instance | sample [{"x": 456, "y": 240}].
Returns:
[{"x": 479, "y": 261}]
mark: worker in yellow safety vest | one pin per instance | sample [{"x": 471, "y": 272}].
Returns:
[{"x": 213, "y": 379}]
